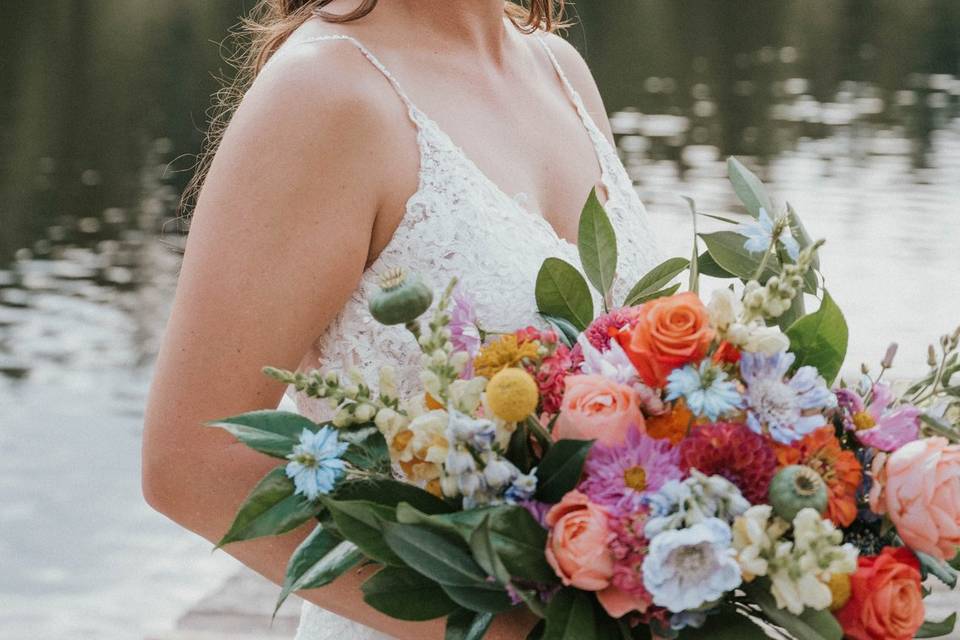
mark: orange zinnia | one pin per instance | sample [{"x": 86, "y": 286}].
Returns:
[
  {"x": 672, "y": 425},
  {"x": 841, "y": 471}
]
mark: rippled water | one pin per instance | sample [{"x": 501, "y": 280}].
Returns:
[{"x": 848, "y": 109}]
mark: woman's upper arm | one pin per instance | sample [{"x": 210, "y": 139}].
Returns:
[
  {"x": 278, "y": 242},
  {"x": 580, "y": 76}
]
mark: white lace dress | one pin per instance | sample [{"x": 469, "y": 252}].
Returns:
[{"x": 459, "y": 223}]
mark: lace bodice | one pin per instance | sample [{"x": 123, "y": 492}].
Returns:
[{"x": 460, "y": 224}]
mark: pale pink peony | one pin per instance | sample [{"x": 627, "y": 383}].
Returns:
[
  {"x": 918, "y": 486},
  {"x": 578, "y": 545},
  {"x": 597, "y": 408}
]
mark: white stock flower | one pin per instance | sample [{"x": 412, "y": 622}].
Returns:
[
  {"x": 466, "y": 394},
  {"x": 725, "y": 309},
  {"x": 766, "y": 340}
]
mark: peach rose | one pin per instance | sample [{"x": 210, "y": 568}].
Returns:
[
  {"x": 668, "y": 333},
  {"x": 918, "y": 485},
  {"x": 597, "y": 408},
  {"x": 578, "y": 545},
  {"x": 886, "y": 602}
]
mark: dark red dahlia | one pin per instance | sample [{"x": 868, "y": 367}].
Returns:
[{"x": 733, "y": 451}]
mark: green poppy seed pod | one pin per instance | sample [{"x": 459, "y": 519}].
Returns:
[
  {"x": 402, "y": 298},
  {"x": 795, "y": 488}
]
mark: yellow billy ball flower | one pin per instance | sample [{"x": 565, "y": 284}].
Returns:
[
  {"x": 840, "y": 590},
  {"x": 512, "y": 394}
]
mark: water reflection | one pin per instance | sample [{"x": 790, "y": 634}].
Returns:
[{"x": 849, "y": 108}]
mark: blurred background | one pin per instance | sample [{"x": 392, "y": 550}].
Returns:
[{"x": 847, "y": 108}]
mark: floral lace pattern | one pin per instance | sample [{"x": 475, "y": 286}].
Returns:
[{"x": 459, "y": 223}]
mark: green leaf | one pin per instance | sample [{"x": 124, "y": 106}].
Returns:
[
  {"x": 937, "y": 629},
  {"x": 820, "y": 339},
  {"x": 656, "y": 279},
  {"x": 694, "y": 266},
  {"x": 809, "y": 625},
  {"x": 270, "y": 509},
  {"x": 718, "y": 218},
  {"x": 563, "y": 293},
  {"x": 565, "y": 329},
  {"x": 361, "y": 522},
  {"x": 274, "y": 433},
  {"x": 518, "y": 449},
  {"x": 481, "y": 545},
  {"x": 390, "y": 493},
  {"x": 707, "y": 266},
  {"x": 434, "y": 555},
  {"x": 725, "y": 625},
  {"x": 537, "y": 632},
  {"x": 800, "y": 234},
  {"x": 517, "y": 538},
  {"x": 368, "y": 449},
  {"x": 570, "y": 616},
  {"x": 402, "y": 593},
  {"x": 663, "y": 293},
  {"x": 597, "y": 244},
  {"x": 940, "y": 569},
  {"x": 464, "y": 624},
  {"x": 318, "y": 561},
  {"x": 482, "y": 598},
  {"x": 560, "y": 469},
  {"x": 727, "y": 250},
  {"x": 748, "y": 188}
]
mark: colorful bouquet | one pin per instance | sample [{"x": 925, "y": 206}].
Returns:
[{"x": 663, "y": 468}]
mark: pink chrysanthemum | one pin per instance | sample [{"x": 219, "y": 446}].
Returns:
[
  {"x": 619, "y": 476},
  {"x": 552, "y": 374},
  {"x": 734, "y": 452},
  {"x": 598, "y": 333}
]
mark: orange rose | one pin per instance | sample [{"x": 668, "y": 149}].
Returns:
[
  {"x": 918, "y": 485},
  {"x": 668, "y": 333},
  {"x": 578, "y": 545},
  {"x": 886, "y": 601},
  {"x": 597, "y": 408}
]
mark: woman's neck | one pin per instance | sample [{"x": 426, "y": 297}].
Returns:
[{"x": 478, "y": 24}]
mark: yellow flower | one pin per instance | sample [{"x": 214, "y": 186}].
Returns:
[
  {"x": 840, "y": 590},
  {"x": 512, "y": 394},
  {"x": 502, "y": 353}
]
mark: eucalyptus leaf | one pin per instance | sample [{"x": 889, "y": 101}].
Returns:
[
  {"x": 562, "y": 292},
  {"x": 656, "y": 279},
  {"x": 570, "y": 616},
  {"x": 749, "y": 188},
  {"x": 402, "y": 593},
  {"x": 464, "y": 624},
  {"x": 559, "y": 470},
  {"x": 274, "y": 433},
  {"x": 937, "y": 629},
  {"x": 820, "y": 339},
  {"x": 270, "y": 509},
  {"x": 319, "y": 560},
  {"x": 362, "y": 522},
  {"x": 597, "y": 245}
]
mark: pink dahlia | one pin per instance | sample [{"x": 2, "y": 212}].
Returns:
[
  {"x": 619, "y": 476},
  {"x": 626, "y": 592},
  {"x": 882, "y": 425},
  {"x": 733, "y": 451},
  {"x": 599, "y": 332}
]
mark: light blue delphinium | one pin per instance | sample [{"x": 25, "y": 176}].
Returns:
[
  {"x": 688, "y": 568},
  {"x": 779, "y": 406},
  {"x": 707, "y": 390},
  {"x": 759, "y": 235},
  {"x": 523, "y": 487},
  {"x": 315, "y": 464}
]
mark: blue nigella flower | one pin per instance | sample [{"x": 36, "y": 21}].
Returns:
[
  {"x": 788, "y": 409},
  {"x": 707, "y": 390},
  {"x": 759, "y": 235},
  {"x": 315, "y": 464}
]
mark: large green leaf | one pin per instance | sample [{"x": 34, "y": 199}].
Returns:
[
  {"x": 937, "y": 629},
  {"x": 570, "y": 616},
  {"x": 727, "y": 250},
  {"x": 435, "y": 555},
  {"x": 563, "y": 293},
  {"x": 480, "y": 597},
  {"x": 464, "y": 624},
  {"x": 726, "y": 625},
  {"x": 390, "y": 493},
  {"x": 656, "y": 279},
  {"x": 748, "y": 188},
  {"x": 560, "y": 469},
  {"x": 319, "y": 560},
  {"x": 481, "y": 545},
  {"x": 274, "y": 433},
  {"x": 361, "y": 522},
  {"x": 820, "y": 339},
  {"x": 402, "y": 593},
  {"x": 707, "y": 266},
  {"x": 809, "y": 625},
  {"x": 597, "y": 244},
  {"x": 270, "y": 509}
]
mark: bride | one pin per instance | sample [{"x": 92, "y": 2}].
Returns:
[{"x": 449, "y": 137}]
